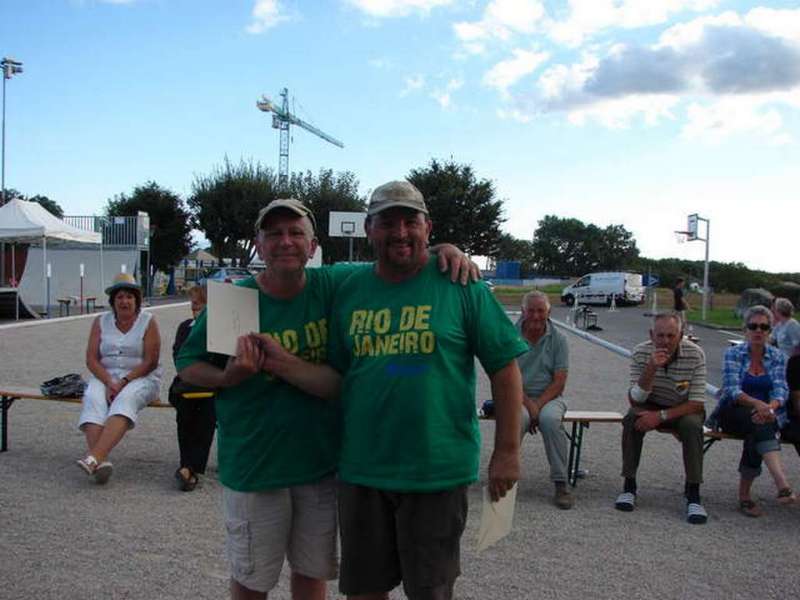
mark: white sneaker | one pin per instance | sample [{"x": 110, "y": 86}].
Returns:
[{"x": 626, "y": 502}]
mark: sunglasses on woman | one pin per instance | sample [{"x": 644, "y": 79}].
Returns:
[{"x": 761, "y": 326}]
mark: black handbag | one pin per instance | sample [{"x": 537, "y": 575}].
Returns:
[{"x": 67, "y": 386}]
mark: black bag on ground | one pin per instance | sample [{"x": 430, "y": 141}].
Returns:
[{"x": 66, "y": 386}]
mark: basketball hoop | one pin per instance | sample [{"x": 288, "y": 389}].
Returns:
[{"x": 681, "y": 236}]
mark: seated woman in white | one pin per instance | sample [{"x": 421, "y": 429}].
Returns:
[{"x": 122, "y": 356}]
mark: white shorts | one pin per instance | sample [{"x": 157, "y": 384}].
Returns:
[
  {"x": 133, "y": 398},
  {"x": 298, "y": 523}
]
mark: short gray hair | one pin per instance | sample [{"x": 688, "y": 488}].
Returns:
[
  {"x": 667, "y": 314},
  {"x": 534, "y": 294},
  {"x": 784, "y": 307},
  {"x": 758, "y": 311}
]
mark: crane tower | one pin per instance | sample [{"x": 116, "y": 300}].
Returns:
[{"x": 282, "y": 118}]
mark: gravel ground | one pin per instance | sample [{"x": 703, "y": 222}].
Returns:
[{"x": 63, "y": 537}]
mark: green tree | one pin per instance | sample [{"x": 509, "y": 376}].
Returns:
[
  {"x": 170, "y": 222},
  {"x": 328, "y": 192},
  {"x": 570, "y": 247},
  {"x": 225, "y": 204},
  {"x": 464, "y": 210},
  {"x": 514, "y": 249},
  {"x": 50, "y": 205}
]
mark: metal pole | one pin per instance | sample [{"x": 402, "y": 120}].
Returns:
[
  {"x": 4, "y": 141},
  {"x": 3, "y": 197},
  {"x": 705, "y": 270},
  {"x": 351, "y": 249}
]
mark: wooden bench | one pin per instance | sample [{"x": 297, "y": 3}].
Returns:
[
  {"x": 580, "y": 419},
  {"x": 8, "y": 395},
  {"x": 713, "y": 436}
]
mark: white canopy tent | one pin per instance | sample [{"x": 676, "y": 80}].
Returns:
[{"x": 30, "y": 223}]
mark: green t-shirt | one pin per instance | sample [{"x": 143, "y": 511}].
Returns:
[
  {"x": 269, "y": 433},
  {"x": 408, "y": 352}
]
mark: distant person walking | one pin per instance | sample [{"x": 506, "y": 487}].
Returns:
[{"x": 680, "y": 303}]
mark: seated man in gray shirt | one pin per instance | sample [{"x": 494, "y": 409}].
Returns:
[{"x": 544, "y": 373}]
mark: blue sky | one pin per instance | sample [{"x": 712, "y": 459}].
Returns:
[{"x": 636, "y": 112}]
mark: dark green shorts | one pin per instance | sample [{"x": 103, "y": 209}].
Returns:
[{"x": 389, "y": 537}]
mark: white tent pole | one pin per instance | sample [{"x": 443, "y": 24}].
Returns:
[
  {"x": 14, "y": 277},
  {"x": 44, "y": 273}
]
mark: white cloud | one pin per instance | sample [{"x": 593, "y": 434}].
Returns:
[
  {"x": 266, "y": 14},
  {"x": 619, "y": 113},
  {"x": 396, "y": 8},
  {"x": 587, "y": 17},
  {"x": 751, "y": 115},
  {"x": 444, "y": 96},
  {"x": 781, "y": 23},
  {"x": 412, "y": 84},
  {"x": 501, "y": 19},
  {"x": 514, "y": 115},
  {"x": 508, "y": 72},
  {"x": 726, "y": 75}
]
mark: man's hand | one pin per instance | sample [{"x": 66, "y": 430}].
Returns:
[
  {"x": 659, "y": 357},
  {"x": 503, "y": 473},
  {"x": 460, "y": 265},
  {"x": 246, "y": 363},
  {"x": 533, "y": 412},
  {"x": 274, "y": 355},
  {"x": 647, "y": 420}
]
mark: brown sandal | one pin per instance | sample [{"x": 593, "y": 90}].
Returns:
[
  {"x": 749, "y": 508},
  {"x": 186, "y": 483},
  {"x": 785, "y": 496}
]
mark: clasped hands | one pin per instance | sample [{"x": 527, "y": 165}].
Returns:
[
  {"x": 762, "y": 413},
  {"x": 254, "y": 352}
]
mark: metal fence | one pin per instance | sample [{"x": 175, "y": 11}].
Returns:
[{"x": 116, "y": 231}]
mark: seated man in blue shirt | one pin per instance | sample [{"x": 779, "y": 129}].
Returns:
[{"x": 544, "y": 373}]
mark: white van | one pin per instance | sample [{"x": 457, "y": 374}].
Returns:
[{"x": 600, "y": 288}]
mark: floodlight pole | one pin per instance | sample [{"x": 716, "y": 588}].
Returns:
[{"x": 10, "y": 68}]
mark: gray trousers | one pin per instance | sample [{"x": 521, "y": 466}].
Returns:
[{"x": 553, "y": 435}]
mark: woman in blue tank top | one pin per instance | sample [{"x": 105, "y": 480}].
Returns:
[{"x": 753, "y": 405}]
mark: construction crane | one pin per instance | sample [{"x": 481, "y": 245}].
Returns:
[{"x": 282, "y": 118}]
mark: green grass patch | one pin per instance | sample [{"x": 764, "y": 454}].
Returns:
[{"x": 722, "y": 317}]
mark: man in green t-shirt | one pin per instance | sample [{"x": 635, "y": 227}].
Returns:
[
  {"x": 277, "y": 445},
  {"x": 405, "y": 341}
]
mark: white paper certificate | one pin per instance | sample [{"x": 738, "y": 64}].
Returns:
[
  {"x": 232, "y": 311},
  {"x": 496, "y": 518}
]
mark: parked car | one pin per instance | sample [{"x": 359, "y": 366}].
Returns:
[
  {"x": 600, "y": 288},
  {"x": 224, "y": 275}
]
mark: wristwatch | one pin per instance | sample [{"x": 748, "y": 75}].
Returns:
[{"x": 663, "y": 414}]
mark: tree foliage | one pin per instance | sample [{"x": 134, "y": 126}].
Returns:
[
  {"x": 170, "y": 222},
  {"x": 328, "y": 192},
  {"x": 464, "y": 210},
  {"x": 50, "y": 205},
  {"x": 225, "y": 204},
  {"x": 514, "y": 249},
  {"x": 733, "y": 277},
  {"x": 570, "y": 247}
]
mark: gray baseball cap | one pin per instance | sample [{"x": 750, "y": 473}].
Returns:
[
  {"x": 394, "y": 194},
  {"x": 292, "y": 204}
]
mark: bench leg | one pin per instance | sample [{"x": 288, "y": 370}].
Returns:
[
  {"x": 708, "y": 443},
  {"x": 575, "y": 444},
  {"x": 6, "y": 402}
]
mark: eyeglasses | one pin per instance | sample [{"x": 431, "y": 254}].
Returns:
[{"x": 761, "y": 326}]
